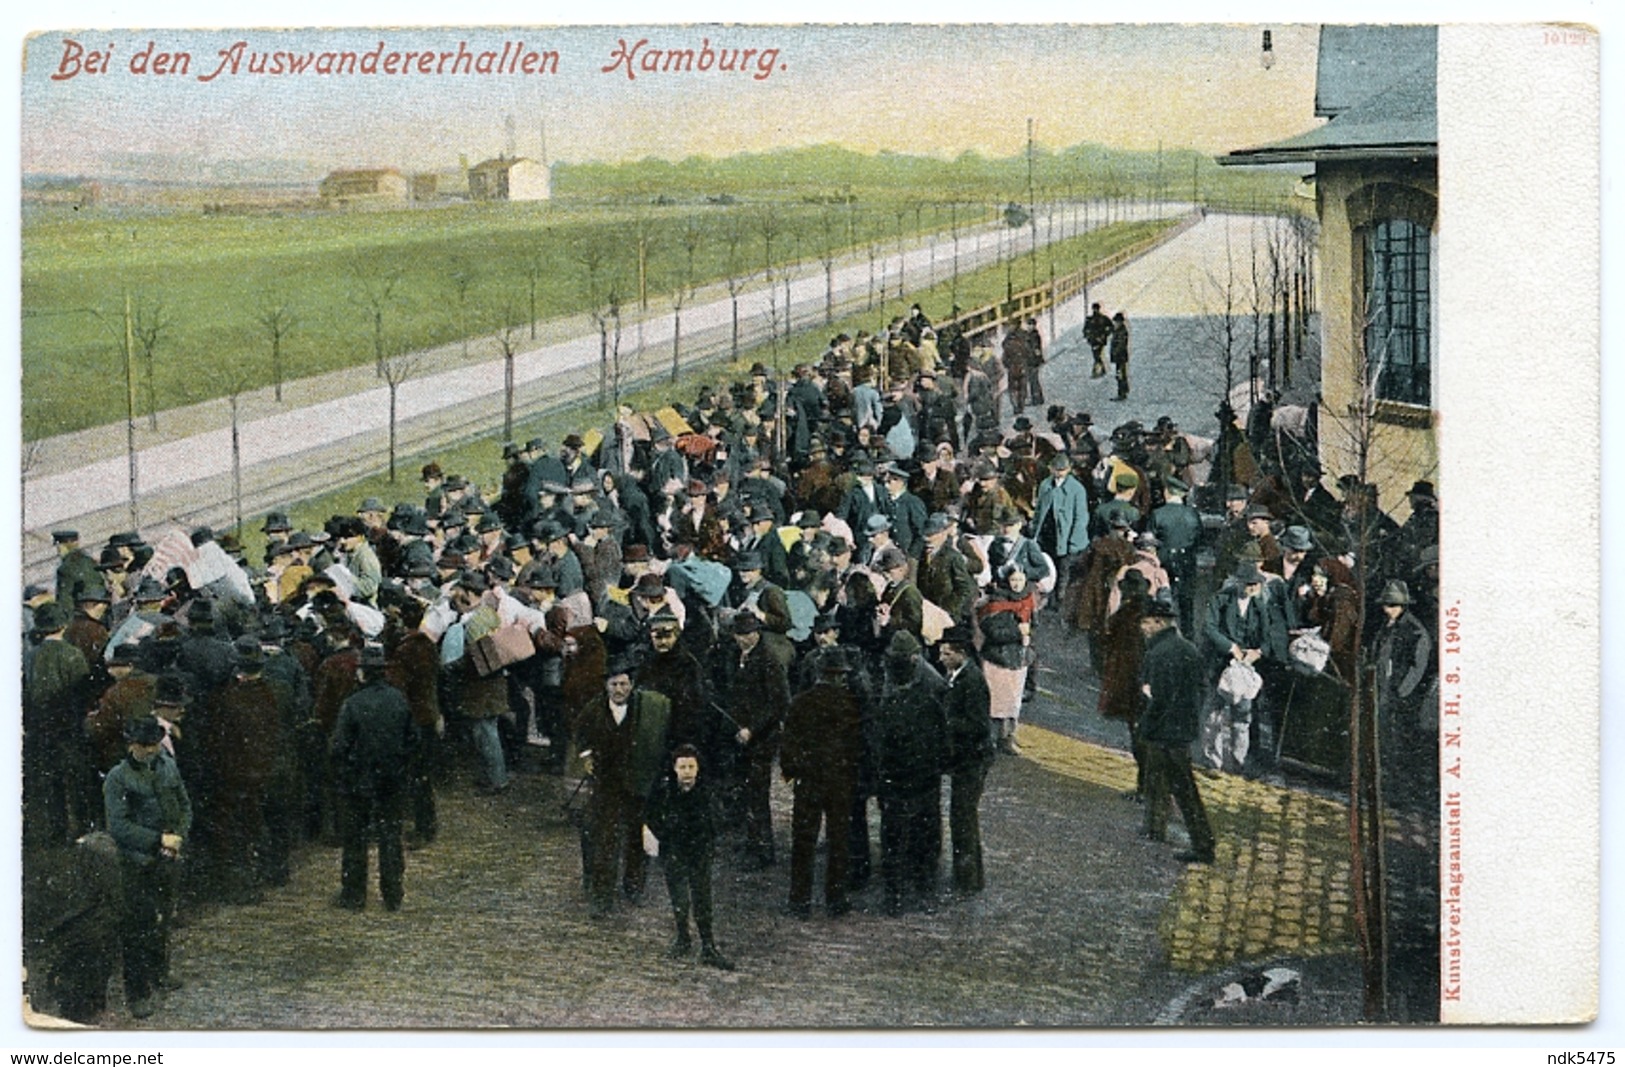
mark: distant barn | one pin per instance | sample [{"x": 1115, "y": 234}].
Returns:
[
  {"x": 385, "y": 183},
  {"x": 509, "y": 179}
]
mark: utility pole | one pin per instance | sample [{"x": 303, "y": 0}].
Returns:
[
  {"x": 129, "y": 421},
  {"x": 1032, "y": 206}
]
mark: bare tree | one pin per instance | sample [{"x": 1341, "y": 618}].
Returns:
[
  {"x": 462, "y": 276},
  {"x": 769, "y": 226},
  {"x": 372, "y": 288},
  {"x": 507, "y": 338},
  {"x": 533, "y": 275},
  {"x": 733, "y": 235},
  {"x": 396, "y": 371},
  {"x": 32, "y": 453},
  {"x": 230, "y": 381},
  {"x": 149, "y": 324},
  {"x": 826, "y": 256},
  {"x": 275, "y": 313},
  {"x": 692, "y": 236}
]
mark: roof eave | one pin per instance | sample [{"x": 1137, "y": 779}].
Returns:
[{"x": 1258, "y": 157}]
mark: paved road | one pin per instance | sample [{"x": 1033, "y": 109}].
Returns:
[{"x": 300, "y": 447}]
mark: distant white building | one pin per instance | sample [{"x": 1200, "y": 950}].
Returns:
[
  {"x": 382, "y": 183},
  {"x": 510, "y": 179}
]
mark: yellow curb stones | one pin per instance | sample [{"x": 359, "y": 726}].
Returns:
[{"x": 1279, "y": 883}]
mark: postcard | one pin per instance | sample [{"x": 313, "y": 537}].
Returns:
[{"x": 593, "y": 404}]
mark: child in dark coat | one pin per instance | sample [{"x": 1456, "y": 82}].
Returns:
[{"x": 681, "y": 816}]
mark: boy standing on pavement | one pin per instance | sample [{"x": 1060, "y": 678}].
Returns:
[{"x": 682, "y": 820}]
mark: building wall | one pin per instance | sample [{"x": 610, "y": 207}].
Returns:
[
  {"x": 1403, "y": 444},
  {"x": 529, "y": 180}
]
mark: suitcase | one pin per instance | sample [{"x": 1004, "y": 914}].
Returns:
[{"x": 502, "y": 647}]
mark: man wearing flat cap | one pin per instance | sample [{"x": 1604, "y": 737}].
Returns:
[{"x": 149, "y": 816}]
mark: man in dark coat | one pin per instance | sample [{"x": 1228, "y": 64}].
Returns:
[
  {"x": 1407, "y": 719},
  {"x": 1179, "y": 527},
  {"x": 910, "y": 744},
  {"x": 622, "y": 741},
  {"x": 1174, "y": 688},
  {"x": 1017, "y": 358},
  {"x": 682, "y": 818},
  {"x": 820, "y": 753},
  {"x": 1097, "y": 330},
  {"x": 75, "y": 572},
  {"x": 240, "y": 738},
  {"x": 758, "y": 699},
  {"x": 969, "y": 753},
  {"x": 56, "y": 757},
  {"x": 372, "y": 763},
  {"x": 1119, "y": 343},
  {"x": 945, "y": 576},
  {"x": 675, "y": 673},
  {"x": 149, "y": 815}
]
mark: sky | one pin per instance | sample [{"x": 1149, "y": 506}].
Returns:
[{"x": 915, "y": 89}]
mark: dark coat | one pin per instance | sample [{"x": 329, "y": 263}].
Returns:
[
  {"x": 910, "y": 736},
  {"x": 1172, "y": 668},
  {"x": 144, "y": 802},
  {"x": 946, "y": 580},
  {"x": 969, "y": 725},
  {"x": 758, "y": 694},
  {"x": 685, "y": 823},
  {"x": 374, "y": 741},
  {"x": 631, "y": 757},
  {"x": 823, "y": 736}
]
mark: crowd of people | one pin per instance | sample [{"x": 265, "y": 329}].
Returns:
[{"x": 836, "y": 580}]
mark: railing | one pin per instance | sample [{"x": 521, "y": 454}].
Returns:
[{"x": 324, "y": 468}]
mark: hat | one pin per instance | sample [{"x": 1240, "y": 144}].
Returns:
[
  {"x": 958, "y": 635},
  {"x": 369, "y": 505},
  {"x": 758, "y": 370},
  {"x": 372, "y": 655},
  {"x": 651, "y": 586},
  {"x": 110, "y": 560},
  {"x": 1158, "y": 608},
  {"x": 1395, "y": 594},
  {"x": 748, "y": 561},
  {"x": 95, "y": 595},
  {"x": 1148, "y": 540},
  {"x": 602, "y": 519},
  {"x": 510, "y": 450},
  {"x": 456, "y": 481},
  {"x": 49, "y": 618},
  {"x": 1175, "y": 484},
  {"x": 63, "y": 537},
  {"x": 573, "y": 441},
  {"x": 635, "y": 554},
  {"x": 474, "y": 582},
  {"x": 143, "y": 730},
  {"x": 1060, "y": 462},
  {"x": 1119, "y": 520},
  {"x": 936, "y": 523},
  {"x": 126, "y": 654},
  {"x": 536, "y": 444},
  {"x": 149, "y": 590},
  {"x": 903, "y": 646},
  {"x": 1126, "y": 480},
  {"x": 201, "y": 610},
  {"x": 862, "y": 464},
  {"x": 171, "y": 690},
  {"x": 1247, "y": 573},
  {"x": 202, "y": 535},
  {"x": 1259, "y": 511},
  {"x": 500, "y": 567},
  {"x": 876, "y": 523},
  {"x": 131, "y": 539},
  {"x": 746, "y": 623},
  {"x": 1297, "y": 539},
  {"x": 488, "y": 523},
  {"x": 815, "y": 444},
  {"x": 248, "y": 651},
  {"x": 1022, "y": 424},
  {"x": 889, "y": 558},
  {"x": 541, "y": 578},
  {"x": 665, "y": 619},
  {"x": 1422, "y": 488},
  {"x": 826, "y": 622},
  {"x": 809, "y": 519},
  {"x": 1006, "y": 515},
  {"x": 834, "y": 661}
]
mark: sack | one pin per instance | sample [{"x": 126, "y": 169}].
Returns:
[
  {"x": 934, "y": 622},
  {"x": 502, "y": 647},
  {"x": 1310, "y": 652},
  {"x": 1239, "y": 682}
]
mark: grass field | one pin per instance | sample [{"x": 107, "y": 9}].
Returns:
[
  {"x": 434, "y": 274},
  {"x": 480, "y": 460}
]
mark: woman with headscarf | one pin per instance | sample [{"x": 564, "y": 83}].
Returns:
[{"x": 1004, "y": 616}]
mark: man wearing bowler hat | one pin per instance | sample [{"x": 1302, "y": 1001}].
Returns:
[
  {"x": 371, "y": 751},
  {"x": 1172, "y": 683}
]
